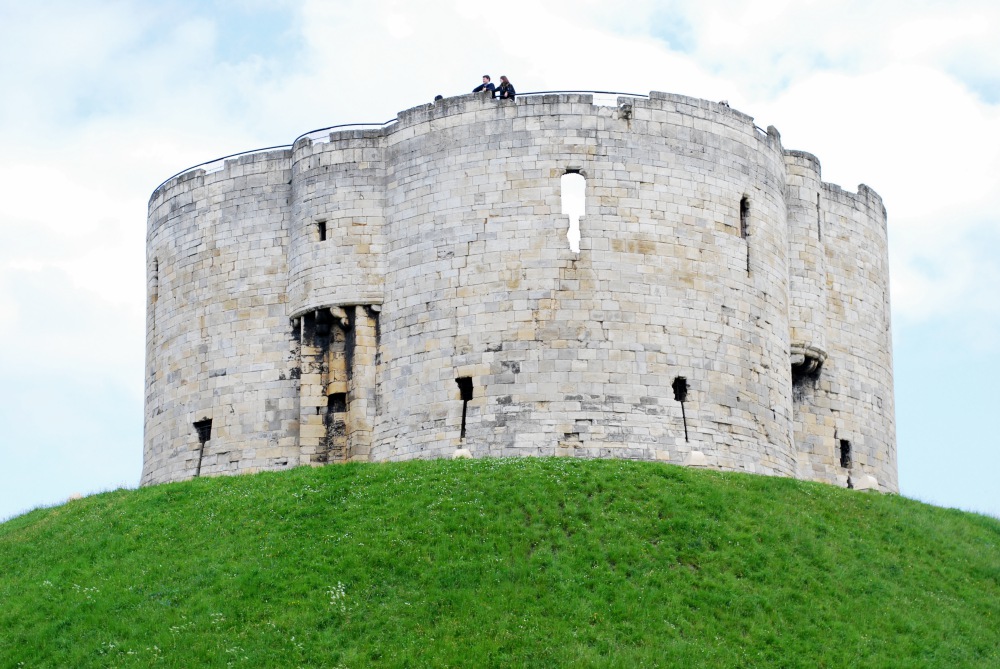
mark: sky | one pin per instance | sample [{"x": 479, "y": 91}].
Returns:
[{"x": 100, "y": 101}]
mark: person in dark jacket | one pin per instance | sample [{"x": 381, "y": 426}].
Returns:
[
  {"x": 505, "y": 91},
  {"x": 487, "y": 85}
]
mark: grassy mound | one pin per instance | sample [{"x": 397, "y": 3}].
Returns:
[{"x": 499, "y": 563}]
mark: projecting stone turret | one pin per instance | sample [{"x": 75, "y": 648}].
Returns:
[{"x": 409, "y": 291}]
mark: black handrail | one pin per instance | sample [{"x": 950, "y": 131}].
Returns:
[
  {"x": 342, "y": 125},
  {"x": 370, "y": 125},
  {"x": 628, "y": 95},
  {"x": 272, "y": 148},
  {"x": 215, "y": 160}
]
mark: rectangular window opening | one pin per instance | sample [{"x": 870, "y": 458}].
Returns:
[
  {"x": 845, "y": 454},
  {"x": 154, "y": 281},
  {"x": 336, "y": 402},
  {"x": 744, "y": 217},
  {"x": 465, "y": 393},
  {"x": 680, "y": 387},
  {"x": 819, "y": 220},
  {"x": 321, "y": 230},
  {"x": 745, "y": 226},
  {"x": 204, "y": 429},
  {"x": 573, "y": 187}
]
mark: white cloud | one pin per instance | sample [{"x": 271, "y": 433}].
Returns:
[
  {"x": 929, "y": 35},
  {"x": 931, "y": 149}
]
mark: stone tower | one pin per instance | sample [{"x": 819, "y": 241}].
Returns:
[{"x": 408, "y": 291}]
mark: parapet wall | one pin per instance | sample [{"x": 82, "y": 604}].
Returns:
[{"x": 410, "y": 292}]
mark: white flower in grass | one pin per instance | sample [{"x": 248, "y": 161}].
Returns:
[{"x": 338, "y": 597}]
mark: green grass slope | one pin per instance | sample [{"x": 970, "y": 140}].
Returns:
[{"x": 499, "y": 563}]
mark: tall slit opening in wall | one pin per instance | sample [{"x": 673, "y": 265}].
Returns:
[
  {"x": 321, "y": 230},
  {"x": 465, "y": 393},
  {"x": 819, "y": 219},
  {"x": 680, "y": 387},
  {"x": 745, "y": 226},
  {"x": 845, "y": 454},
  {"x": 573, "y": 187},
  {"x": 154, "y": 281},
  {"x": 154, "y": 295},
  {"x": 204, "y": 429},
  {"x": 335, "y": 425}
]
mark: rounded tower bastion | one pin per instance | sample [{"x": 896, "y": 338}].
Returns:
[{"x": 409, "y": 291}]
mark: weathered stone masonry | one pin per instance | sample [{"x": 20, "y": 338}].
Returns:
[{"x": 408, "y": 291}]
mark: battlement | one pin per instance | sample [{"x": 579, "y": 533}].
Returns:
[{"x": 408, "y": 290}]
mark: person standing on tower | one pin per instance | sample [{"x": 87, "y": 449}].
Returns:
[
  {"x": 505, "y": 91},
  {"x": 487, "y": 85}
]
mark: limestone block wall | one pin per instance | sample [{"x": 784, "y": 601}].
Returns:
[
  {"x": 806, "y": 263},
  {"x": 421, "y": 297},
  {"x": 337, "y": 193},
  {"x": 217, "y": 333},
  {"x": 846, "y": 412},
  {"x": 577, "y": 353}
]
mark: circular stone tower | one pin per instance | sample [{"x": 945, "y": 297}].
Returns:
[{"x": 410, "y": 292}]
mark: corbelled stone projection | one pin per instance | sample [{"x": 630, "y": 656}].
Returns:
[{"x": 409, "y": 291}]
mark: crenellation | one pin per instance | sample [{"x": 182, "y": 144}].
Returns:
[{"x": 320, "y": 303}]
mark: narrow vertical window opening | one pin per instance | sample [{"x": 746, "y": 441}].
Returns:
[
  {"x": 745, "y": 226},
  {"x": 845, "y": 454},
  {"x": 321, "y": 230},
  {"x": 819, "y": 220},
  {"x": 573, "y": 186},
  {"x": 204, "y": 429},
  {"x": 465, "y": 393},
  {"x": 154, "y": 281},
  {"x": 680, "y": 387},
  {"x": 335, "y": 424}
]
